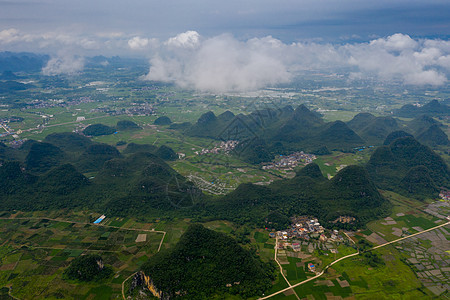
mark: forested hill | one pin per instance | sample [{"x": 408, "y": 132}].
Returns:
[
  {"x": 432, "y": 108},
  {"x": 395, "y": 167},
  {"x": 350, "y": 192},
  {"x": 49, "y": 175},
  {"x": 277, "y": 130},
  {"x": 374, "y": 130},
  {"x": 205, "y": 264}
]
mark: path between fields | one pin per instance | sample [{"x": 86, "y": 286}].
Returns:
[
  {"x": 342, "y": 258},
  {"x": 281, "y": 268},
  {"x": 86, "y": 223}
]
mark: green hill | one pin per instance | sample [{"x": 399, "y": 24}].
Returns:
[
  {"x": 311, "y": 170},
  {"x": 88, "y": 267},
  {"x": 43, "y": 156},
  {"x": 433, "y": 136},
  {"x": 417, "y": 182},
  {"x": 134, "y": 148},
  {"x": 360, "y": 121},
  {"x": 14, "y": 180},
  {"x": 126, "y": 125},
  {"x": 350, "y": 192},
  {"x": 98, "y": 129},
  {"x": 163, "y": 120},
  {"x": 373, "y": 130},
  {"x": 62, "y": 180},
  {"x": 254, "y": 151},
  {"x": 69, "y": 141},
  {"x": 95, "y": 156},
  {"x": 139, "y": 184},
  {"x": 395, "y": 135},
  {"x": 421, "y": 123},
  {"x": 166, "y": 153},
  {"x": 390, "y": 164},
  {"x": 205, "y": 264},
  {"x": 8, "y": 153},
  {"x": 276, "y": 131}
]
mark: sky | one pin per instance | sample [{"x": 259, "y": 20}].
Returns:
[{"x": 183, "y": 38}]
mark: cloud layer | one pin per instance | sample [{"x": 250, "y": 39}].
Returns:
[{"x": 222, "y": 63}]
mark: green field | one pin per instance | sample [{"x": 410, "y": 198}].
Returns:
[{"x": 35, "y": 252}]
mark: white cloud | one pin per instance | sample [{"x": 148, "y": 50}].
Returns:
[
  {"x": 63, "y": 64},
  {"x": 219, "y": 64},
  {"x": 397, "y": 42},
  {"x": 188, "y": 39},
  {"x": 138, "y": 43},
  {"x": 223, "y": 63}
]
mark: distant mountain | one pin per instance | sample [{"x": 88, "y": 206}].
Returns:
[
  {"x": 13, "y": 86},
  {"x": 22, "y": 62},
  {"x": 433, "y": 136},
  {"x": 432, "y": 108},
  {"x": 205, "y": 264},
  {"x": 276, "y": 131},
  {"x": 8, "y": 75},
  {"x": 373, "y": 130},
  {"x": 389, "y": 165},
  {"x": 421, "y": 123},
  {"x": 428, "y": 131}
]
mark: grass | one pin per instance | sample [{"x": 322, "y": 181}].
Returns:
[{"x": 394, "y": 280}]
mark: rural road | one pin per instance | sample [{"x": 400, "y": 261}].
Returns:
[{"x": 345, "y": 257}]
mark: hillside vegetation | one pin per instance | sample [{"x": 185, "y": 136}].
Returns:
[
  {"x": 395, "y": 167},
  {"x": 205, "y": 263},
  {"x": 350, "y": 192}
]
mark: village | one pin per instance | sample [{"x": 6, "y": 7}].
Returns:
[
  {"x": 307, "y": 231},
  {"x": 289, "y": 162},
  {"x": 225, "y": 147}
]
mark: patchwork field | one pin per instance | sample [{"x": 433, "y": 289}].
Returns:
[{"x": 34, "y": 253}]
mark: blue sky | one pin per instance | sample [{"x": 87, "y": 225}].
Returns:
[
  {"x": 288, "y": 20},
  {"x": 242, "y": 45}
]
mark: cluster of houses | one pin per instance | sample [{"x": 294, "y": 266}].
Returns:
[
  {"x": 37, "y": 103},
  {"x": 444, "y": 195},
  {"x": 304, "y": 228},
  {"x": 290, "y": 161},
  {"x": 144, "y": 109},
  {"x": 225, "y": 147}
]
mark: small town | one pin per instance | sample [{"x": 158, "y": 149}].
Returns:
[
  {"x": 225, "y": 147},
  {"x": 289, "y": 162}
]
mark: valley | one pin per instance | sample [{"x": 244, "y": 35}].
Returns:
[{"x": 171, "y": 169}]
